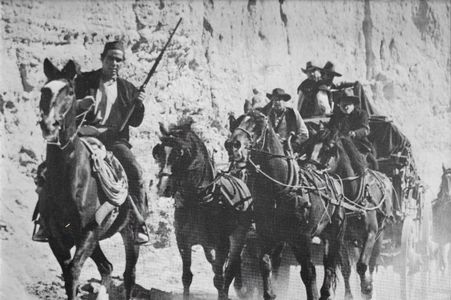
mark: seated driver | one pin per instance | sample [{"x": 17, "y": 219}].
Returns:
[
  {"x": 352, "y": 121},
  {"x": 286, "y": 120}
]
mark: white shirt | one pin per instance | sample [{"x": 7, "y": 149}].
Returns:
[{"x": 105, "y": 97}]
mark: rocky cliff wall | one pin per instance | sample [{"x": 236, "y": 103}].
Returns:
[{"x": 400, "y": 50}]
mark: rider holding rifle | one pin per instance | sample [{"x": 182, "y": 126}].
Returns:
[{"x": 114, "y": 104}]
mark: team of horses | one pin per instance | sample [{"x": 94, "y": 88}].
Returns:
[{"x": 331, "y": 195}]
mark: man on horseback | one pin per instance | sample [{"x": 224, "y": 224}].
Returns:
[
  {"x": 109, "y": 100},
  {"x": 352, "y": 121},
  {"x": 286, "y": 120}
]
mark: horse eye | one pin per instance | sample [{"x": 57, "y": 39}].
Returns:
[
  {"x": 237, "y": 144},
  {"x": 157, "y": 151}
]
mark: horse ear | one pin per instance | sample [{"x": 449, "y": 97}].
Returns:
[
  {"x": 443, "y": 168},
  {"x": 163, "y": 129},
  {"x": 156, "y": 151},
  {"x": 70, "y": 69},
  {"x": 50, "y": 71}
]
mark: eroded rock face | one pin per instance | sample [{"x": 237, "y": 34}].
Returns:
[{"x": 223, "y": 49}]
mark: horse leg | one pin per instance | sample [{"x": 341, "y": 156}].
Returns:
[
  {"x": 221, "y": 252},
  {"x": 374, "y": 256},
  {"x": 331, "y": 255},
  {"x": 83, "y": 250},
  {"x": 346, "y": 270},
  {"x": 103, "y": 265},
  {"x": 301, "y": 251},
  {"x": 265, "y": 262},
  {"x": 233, "y": 267},
  {"x": 131, "y": 257},
  {"x": 187, "y": 275},
  {"x": 281, "y": 273},
  {"x": 62, "y": 254},
  {"x": 276, "y": 259},
  {"x": 366, "y": 284}
]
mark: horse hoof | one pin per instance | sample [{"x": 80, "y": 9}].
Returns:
[
  {"x": 102, "y": 294},
  {"x": 349, "y": 297}
]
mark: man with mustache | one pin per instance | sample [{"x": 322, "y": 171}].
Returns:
[{"x": 286, "y": 120}]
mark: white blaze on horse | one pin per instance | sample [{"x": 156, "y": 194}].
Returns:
[{"x": 72, "y": 196}]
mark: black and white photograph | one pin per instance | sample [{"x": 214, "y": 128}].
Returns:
[{"x": 225, "y": 149}]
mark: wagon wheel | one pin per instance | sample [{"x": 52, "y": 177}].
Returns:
[{"x": 407, "y": 254}]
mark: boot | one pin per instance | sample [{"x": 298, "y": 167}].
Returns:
[{"x": 40, "y": 233}]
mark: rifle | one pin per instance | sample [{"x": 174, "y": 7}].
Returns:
[{"x": 150, "y": 74}]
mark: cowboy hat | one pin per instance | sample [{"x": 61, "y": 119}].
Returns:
[
  {"x": 309, "y": 66},
  {"x": 279, "y": 94},
  {"x": 353, "y": 99},
  {"x": 329, "y": 67}
]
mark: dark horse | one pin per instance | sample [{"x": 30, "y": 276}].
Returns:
[
  {"x": 291, "y": 205},
  {"x": 441, "y": 209},
  {"x": 201, "y": 217},
  {"x": 368, "y": 195},
  {"x": 72, "y": 194}
]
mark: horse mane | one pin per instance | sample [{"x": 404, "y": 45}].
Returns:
[
  {"x": 355, "y": 157},
  {"x": 183, "y": 135}
]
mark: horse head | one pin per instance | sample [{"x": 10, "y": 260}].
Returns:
[
  {"x": 338, "y": 154},
  {"x": 57, "y": 100},
  {"x": 323, "y": 149},
  {"x": 248, "y": 132},
  {"x": 176, "y": 153}
]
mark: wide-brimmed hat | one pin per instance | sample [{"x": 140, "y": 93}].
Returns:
[
  {"x": 279, "y": 94},
  {"x": 345, "y": 98},
  {"x": 329, "y": 67},
  {"x": 309, "y": 67}
]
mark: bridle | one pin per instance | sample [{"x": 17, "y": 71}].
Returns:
[
  {"x": 261, "y": 139},
  {"x": 62, "y": 126}
]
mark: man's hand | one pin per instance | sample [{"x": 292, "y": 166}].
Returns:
[
  {"x": 141, "y": 96},
  {"x": 351, "y": 134},
  {"x": 86, "y": 103}
]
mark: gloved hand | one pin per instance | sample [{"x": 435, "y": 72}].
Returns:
[{"x": 85, "y": 104}]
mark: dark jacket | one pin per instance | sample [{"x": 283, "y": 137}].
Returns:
[
  {"x": 87, "y": 84},
  {"x": 357, "y": 121},
  {"x": 307, "y": 91},
  {"x": 290, "y": 121}
]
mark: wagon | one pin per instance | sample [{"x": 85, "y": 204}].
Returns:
[{"x": 405, "y": 242}]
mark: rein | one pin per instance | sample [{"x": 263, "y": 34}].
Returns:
[
  {"x": 299, "y": 186},
  {"x": 71, "y": 139}
]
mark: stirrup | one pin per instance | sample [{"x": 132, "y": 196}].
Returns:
[
  {"x": 141, "y": 235},
  {"x": 39, "y": 234}
]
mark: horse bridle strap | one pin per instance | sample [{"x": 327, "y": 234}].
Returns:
[{"x": 71, "y": 139}]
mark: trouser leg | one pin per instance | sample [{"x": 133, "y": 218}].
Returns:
[
  {"x": 134, "y": 175},
  {"x": 136, "y": 187}
]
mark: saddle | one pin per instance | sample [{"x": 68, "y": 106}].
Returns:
[
  {"x": 234, "y": 192},
  {"x": 111, "y": 178}
]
